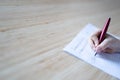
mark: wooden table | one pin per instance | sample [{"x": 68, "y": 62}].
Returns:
[{"x": 33, "y": 34}]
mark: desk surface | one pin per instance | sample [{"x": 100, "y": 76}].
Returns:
[{"x": 33, "y": 34}]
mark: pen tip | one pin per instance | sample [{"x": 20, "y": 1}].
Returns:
[{"x": 95, "y": 53}]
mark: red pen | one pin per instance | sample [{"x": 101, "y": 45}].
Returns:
[{"x": 103, "y": 32}]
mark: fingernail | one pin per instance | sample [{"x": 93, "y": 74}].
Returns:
[{"x": 96, "y": 45}]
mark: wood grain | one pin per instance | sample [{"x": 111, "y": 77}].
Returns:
[{"x": 34, "y": 32}]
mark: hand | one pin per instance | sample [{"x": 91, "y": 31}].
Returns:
[{"x": 109, "y": 45}]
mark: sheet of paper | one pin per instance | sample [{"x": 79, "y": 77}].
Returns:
[{"x": 79, "y": 47}]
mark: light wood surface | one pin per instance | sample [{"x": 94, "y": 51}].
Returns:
[{"x": 34, "y": 32}]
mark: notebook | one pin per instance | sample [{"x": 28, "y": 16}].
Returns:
[{"x": 80, "y": 48}]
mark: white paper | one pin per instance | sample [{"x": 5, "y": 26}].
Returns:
[{"x": 79, "y": 47}]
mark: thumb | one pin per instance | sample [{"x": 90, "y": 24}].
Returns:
[{"x": 102, "y": 46}]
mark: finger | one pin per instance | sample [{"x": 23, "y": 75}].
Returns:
[
  {"x": 108, "y": 50},
  {"x": 95, "y": 40},
  {"x": 91, "y": 44},
  {"x": 97, "y": 33},
  {"x": 95, "y": 37},
  {"x": 102, "y": 46}
]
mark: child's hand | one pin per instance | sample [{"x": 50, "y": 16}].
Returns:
[{"x": 109, "y": 45}]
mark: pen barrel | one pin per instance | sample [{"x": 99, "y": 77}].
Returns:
[{"x": 104, "y": 30}]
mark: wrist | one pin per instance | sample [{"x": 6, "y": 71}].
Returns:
[
  {"x": 118, "y": 49},
  {"x": 119, "y": 45}
]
